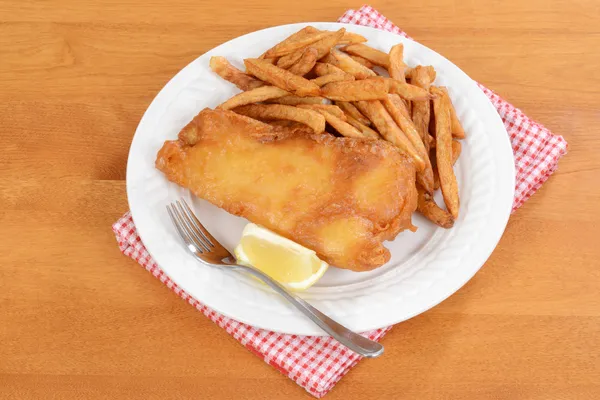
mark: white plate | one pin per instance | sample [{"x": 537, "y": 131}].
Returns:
[{"x": 426, "y": 266}]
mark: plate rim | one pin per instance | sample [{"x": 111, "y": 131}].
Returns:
[{"x": 505, "y": 214}]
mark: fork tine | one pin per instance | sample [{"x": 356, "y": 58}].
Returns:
[
  {"x": 192, "y": 229},
  {"x": 194, "y": 222},
  {"x": 182, "y": 232},
  {"x": 186, "y": 226},
  {"x": 211, "y": 240}
]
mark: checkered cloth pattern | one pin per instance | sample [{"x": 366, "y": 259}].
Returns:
[{"x": 318, "y": 363}]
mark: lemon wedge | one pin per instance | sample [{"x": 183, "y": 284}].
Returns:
[{"x": 292, "y": 265}]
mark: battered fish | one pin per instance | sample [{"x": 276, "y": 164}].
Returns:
[{"x": 341, "y": 197}]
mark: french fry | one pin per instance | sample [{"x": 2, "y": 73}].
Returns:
[
  {"x": 325, "y": 79},
  {"x": 366, "y": 131},
  {"x": 287, "y": 61},
  {"x": 422, "y": 77},
  {"x": 443, "y": 151},
  {"x": 363, "y": 61},
  {"x": 346, "y": 63},
  {"x": 431, "y": 122},
  {"x": 427, "y": 206},
  {"x": 365, "y": 89},
  {"x": 278, "y": 111},
  {"x": 300, "y": 39},
  {"x": 295, "y": 100},
  {"x": 350, "y": 37},
  {"x": 456, "y": 150},
  {"x": 281, "y": 78},
  {"x": 322, "y": 69},
  {"x": 352, "y": 111},
  {"x": 406, "y": 125},
  {"x": 285, "y": 123},
  {"x": 406, "y": 90},
  {"x": 375, "y": 88},
  {"x": 292, "y": 126},
  {"x": 405, "y": 106},
  {"x": 372, "y": 55},
  {"x": 386, "y": 126},
  {"x": 344, "y": 128},
  {"x": 225, "y": 70},
  {"x": 305, "y": 63},
  {"x": 457, "y": 129},
  {"x": 330, "y": 108},
  {"x": 330, "y": 59},
  {"x": 396, "y": 67},
  {"x": 424, "y": 177},
  {"x": 253, "y": 96},
  {"x": 323, "y": 47},
  {"x": 419, "y": 70},
  {"x": 399, "y": 103}
]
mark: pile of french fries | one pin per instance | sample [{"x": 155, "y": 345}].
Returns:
[{"x": 316, "y": 80}]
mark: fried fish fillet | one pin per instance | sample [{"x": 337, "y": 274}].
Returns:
[{"x": 341, "y": 197}]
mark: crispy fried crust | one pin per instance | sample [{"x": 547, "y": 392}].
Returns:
[{"x": 338, "y": 196}]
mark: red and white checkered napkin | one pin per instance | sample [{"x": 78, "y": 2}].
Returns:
[{"x": 318, "y": 363}]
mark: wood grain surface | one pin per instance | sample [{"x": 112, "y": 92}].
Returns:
[{"x": 79, "y": 320}]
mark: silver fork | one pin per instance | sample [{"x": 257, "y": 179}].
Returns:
[{"x": 206, "y": 249}]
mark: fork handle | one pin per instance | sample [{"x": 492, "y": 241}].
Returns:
[{"x": 355, "y": 342}]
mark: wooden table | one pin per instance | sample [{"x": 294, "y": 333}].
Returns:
[{"x": 79, "y": 320}]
